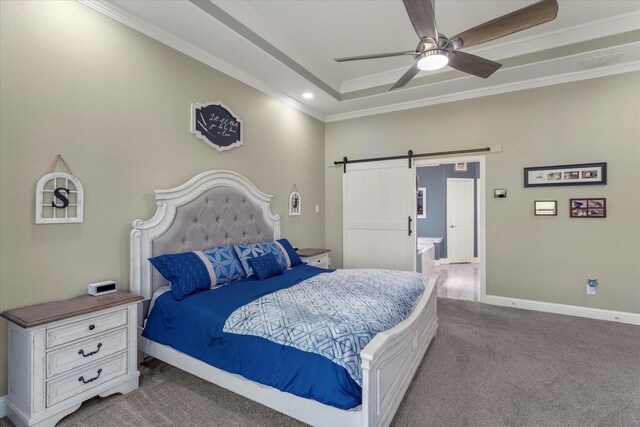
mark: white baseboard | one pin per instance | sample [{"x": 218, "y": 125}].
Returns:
[
  {"x": 443, "y": 261},
  {"x": 3, "y": 406},
  {"x": 571, "y": 310}
]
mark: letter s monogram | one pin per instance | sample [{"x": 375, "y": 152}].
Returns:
[{"x": 58, "y": 193}]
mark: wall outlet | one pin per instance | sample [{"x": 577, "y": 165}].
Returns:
[
  {"x": 591, "y": 286},
  {"x": 317, "y": 208}
]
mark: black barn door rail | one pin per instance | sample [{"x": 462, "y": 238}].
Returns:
[{"x": 409, "y": 156}]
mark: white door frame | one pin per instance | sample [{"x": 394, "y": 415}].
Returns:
[
  {"x": 448, "y": 223},
  {"x": 482, "y": 223}
]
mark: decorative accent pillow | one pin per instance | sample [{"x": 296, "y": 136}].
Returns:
[
  {"x": 278, "y": 251},
  {"x": 188, "y": 272},
  {"x": 265, "y": 266},
  {"x": 244, "y": 252},
  {"x": 293, "y": 255},
  {"x": 226, "y": 264}
]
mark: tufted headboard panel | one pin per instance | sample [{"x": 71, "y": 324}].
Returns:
[
  {"x": 219, "y": 216},
  {"x": 212, "y": 209}
]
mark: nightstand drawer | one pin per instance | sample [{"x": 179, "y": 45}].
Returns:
[
  {"x": 85, "y": 328},
  {"x": 84, "y": 352},
  {"x": 84, "y": 379},
  {"x": 320, "y": 261}
]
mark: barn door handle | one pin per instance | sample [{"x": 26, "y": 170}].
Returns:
[{"x": 410, "y": 226}]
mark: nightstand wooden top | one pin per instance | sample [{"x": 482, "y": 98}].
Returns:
[
  {"x": 40, "y": 314},
  {"x": 309, "y": 252}
]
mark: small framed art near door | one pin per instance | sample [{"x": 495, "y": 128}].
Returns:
[{"x": 421, "y": 203}]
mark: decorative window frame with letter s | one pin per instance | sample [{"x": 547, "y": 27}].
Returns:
[{"x": 59, "y": 199}]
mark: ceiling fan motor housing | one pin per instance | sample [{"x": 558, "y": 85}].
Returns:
[{"x": 428, "y": 44}]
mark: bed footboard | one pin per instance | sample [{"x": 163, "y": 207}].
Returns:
[
  {"x": 391, "y": 359},
  {"x": 389, "y": 362}
]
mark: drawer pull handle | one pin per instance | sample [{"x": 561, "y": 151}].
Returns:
[
  {"x": 92, "y": 327},
  {"x": 81, "y": 352},
  {"x": 90, "y": 379}
]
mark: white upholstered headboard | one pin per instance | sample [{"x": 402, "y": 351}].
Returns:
[{"x": 211, "y": 209}]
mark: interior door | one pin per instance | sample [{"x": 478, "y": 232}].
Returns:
[
  {"x": 460, "y": 219},
  {"x": 379, "y": 210}
]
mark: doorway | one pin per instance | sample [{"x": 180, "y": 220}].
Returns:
[{"x": 450, "y": 225}]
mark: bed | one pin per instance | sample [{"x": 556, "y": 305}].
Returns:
[{"x": 222, "y": 207}]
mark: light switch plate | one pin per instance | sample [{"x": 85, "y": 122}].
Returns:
[{"x": 500, "y": 193}]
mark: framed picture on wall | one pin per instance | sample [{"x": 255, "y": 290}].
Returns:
[
  {"x": 588, "y": 208},
  {"x": 582, "y": 174},
  {"x": 460, "y": 167},
  {"x": 545, "y": 207},
  {"x": 422, "y": 203}
]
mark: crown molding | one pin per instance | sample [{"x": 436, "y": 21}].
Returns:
[
  {"x": 615, "y": 25},
  {"x": 549, "y": 40},
  {"x": 188, "y": 49},
  {"x": 494, "y": 90}
]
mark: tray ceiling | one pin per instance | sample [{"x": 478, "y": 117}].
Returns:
[{"x": 286, "y": 48}]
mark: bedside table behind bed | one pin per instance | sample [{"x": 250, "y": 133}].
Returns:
[{"x": 315, "y": 257}]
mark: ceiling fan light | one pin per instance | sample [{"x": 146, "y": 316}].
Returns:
[{"x": 433, "y": 60}]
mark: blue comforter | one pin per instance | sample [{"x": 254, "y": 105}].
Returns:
[{"x": 301, "y": 332}]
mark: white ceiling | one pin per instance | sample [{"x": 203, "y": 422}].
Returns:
[{"x": 313, "y": 32}]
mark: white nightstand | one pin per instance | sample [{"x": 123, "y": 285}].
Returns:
[
  {"x": 315, "y": 257},
  {"x": 65, "y": 352}
]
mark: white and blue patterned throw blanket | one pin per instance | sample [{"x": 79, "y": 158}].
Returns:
[{"x": 333, "y": 314}]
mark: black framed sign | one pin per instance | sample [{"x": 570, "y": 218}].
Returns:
[
  {"x": 580, "y": 174},
  {"x": 216, "y": 125},
  {"x": 545, "y": 208}
]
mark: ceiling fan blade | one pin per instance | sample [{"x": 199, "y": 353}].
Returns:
[
  {"x": 422, "y": 18},
  {"x": 472, "y": 64},
  {"x": 406, "y": 77},
  {"x": 374, "y": 56},
  {"x": 527, "y": 17}
]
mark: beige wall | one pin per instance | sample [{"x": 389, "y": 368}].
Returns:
[
  {"x": 115, "y": 104},
  {"x": 544, "y": 259}
]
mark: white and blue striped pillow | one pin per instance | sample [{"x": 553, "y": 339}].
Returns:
[
  {"x": 281, "y": 250},
  {"x": 244, "y": 252},
  {"x": 226, "y": 264},
  {"x": 278, "y": 251}
]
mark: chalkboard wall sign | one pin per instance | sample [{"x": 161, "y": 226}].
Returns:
[{"x": 215, "y": 124}]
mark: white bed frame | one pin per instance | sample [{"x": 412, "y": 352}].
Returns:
[{"x": 389, "y": 361}]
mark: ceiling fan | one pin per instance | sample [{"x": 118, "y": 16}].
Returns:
[{"x": 435, "y": 50}]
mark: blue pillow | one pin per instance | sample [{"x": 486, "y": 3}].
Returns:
[
  {"x": 278, "y": 251},
  {"x": 293, "y": 255},
  {"x": 265, "y": 266},
  {"x": 226, "y": 264},
  {"x": 188, "y": 272},
  {"x": 244, "y": 252}
]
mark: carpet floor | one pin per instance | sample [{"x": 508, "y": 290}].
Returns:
[{"x": 488, "y": 366}]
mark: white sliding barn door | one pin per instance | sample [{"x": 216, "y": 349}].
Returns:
[
  {"x": 379, "y": 206},
  {"x": 460, "y": 219}
]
